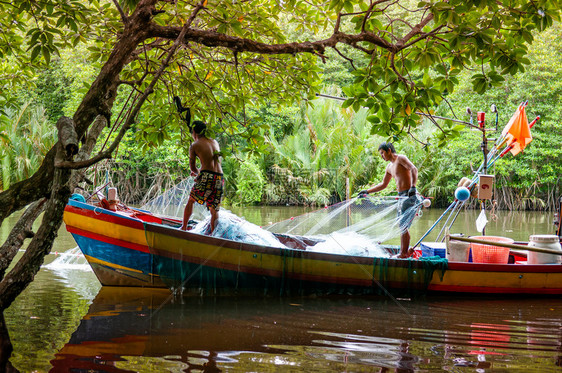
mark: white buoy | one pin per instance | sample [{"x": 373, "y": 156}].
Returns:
[{"x": 426, "y": 203}]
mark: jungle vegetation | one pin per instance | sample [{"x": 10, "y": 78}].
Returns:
[
  {"x": 106, "y": 71},
  {"x": 312, "y": 146}
]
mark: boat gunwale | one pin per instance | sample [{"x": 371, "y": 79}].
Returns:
[
  {"x": 279, "y": 251},
  {"x": 342, "y": 258}
]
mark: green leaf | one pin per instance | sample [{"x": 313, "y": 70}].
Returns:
[
  {"x": 373, "y": 119},
  {"x": 35, "y": 52},
  {"x": 46, "y": 54}
]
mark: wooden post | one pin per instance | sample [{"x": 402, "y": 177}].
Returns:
[{"x": 347, "y": 198}]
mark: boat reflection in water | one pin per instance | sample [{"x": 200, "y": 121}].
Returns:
[{"x": 146, "y": 330}]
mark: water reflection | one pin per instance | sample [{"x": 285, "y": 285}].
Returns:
[
  {"x": 147, "y": 330},
  {"x": 64, "y": 321}
]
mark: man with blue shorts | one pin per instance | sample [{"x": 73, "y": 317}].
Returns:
[{"x": 406, "y": 176}]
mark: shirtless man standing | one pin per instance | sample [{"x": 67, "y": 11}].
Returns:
[
  {"x": 209, "y": 179},
  {"x": 406, "y": 176}
]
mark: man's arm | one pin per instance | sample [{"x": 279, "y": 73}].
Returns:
[
  {"x": 192, "y": 164},
  {"x": 383, "y": 184}
]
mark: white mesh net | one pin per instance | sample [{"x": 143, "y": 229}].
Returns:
[
  {"x": 172, "y": 202},
  {"x": 379, "y": 218},
  {"x": 354, "y": 227}
]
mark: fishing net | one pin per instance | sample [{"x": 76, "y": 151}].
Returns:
[
  {"x": 354, "y": 227},
  {"x": 172, "y": 202}
]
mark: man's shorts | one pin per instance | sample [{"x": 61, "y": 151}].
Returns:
[
  {"x": 208, "y": 188},
  {"x": 407, "y": 210}
]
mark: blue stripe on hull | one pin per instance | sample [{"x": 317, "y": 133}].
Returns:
[{"x": 125, "y": 267}]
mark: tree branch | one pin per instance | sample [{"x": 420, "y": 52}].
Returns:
[
  {"x": 211, "y": 38},
  {"x": 18, "y": 234},
  {"x": 124, "y": 17}
]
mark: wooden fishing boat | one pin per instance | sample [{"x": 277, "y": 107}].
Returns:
[
  {"x": 113, "y": 243},
  {"x": 206, "y": 265},
  {"x": 130, "y": 247}
]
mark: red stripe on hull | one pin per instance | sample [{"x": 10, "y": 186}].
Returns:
[
  {"x": 490, "y": 290},
  {"x": 512, "y": 268},
  {"x": 125, "y": 220},
  {"x": 109, "y": 240}
]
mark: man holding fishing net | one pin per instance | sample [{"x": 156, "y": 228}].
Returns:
[
  {"x": 406, "y": 176},
  {"x": 209, "y": 179}
]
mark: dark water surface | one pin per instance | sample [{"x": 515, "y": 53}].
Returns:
[{"x": 65, "y": 321}]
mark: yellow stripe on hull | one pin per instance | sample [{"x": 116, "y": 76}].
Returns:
[
  {"x": 505, "y": 280},
  {"x": 256, "y": 262},
  {"x": 105, "y": 228},
  {"x": 93, "y": 260}
]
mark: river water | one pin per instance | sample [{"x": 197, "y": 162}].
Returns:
[{"x": 66, "y": 322}]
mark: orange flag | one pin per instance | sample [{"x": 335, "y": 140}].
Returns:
[{"x": 517, "y": 131}]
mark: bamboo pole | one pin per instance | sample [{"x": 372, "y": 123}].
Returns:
[{"x": 508, "y": 245}]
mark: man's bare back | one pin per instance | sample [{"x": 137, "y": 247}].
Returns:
[{"x": 207, "y": 150}]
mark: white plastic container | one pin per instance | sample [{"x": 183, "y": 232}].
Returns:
[
  {"x": 458, "y": 251},
  {"x": 544, "y": 241},
  {"x": 112, "y": 194}
]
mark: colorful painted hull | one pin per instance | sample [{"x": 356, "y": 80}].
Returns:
[
  {"x": 528, "y": 279},
  {"x": 211, "y": 266},
  {"x": 113, "y": 243},
  {"x": 133, "y": 248}
]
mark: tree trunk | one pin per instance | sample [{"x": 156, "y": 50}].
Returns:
[
  {"x": 97, "y": 101},
  {"x": 29, "y": 264},
  {"x": 19, "y": 233}
]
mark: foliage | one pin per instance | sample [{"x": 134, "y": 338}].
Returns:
[
  {"x": 35, "y": 31},
  {"x": 535, "y": 172},
  {"x": 250, "y": 182},
  {"x": 328, "y": 145},
  {"x": 244, "y": 92},
  {"x": 26, "y": 135},
  {"x": 403, "y": 56}
]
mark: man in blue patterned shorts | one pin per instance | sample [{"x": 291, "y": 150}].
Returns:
[
  {"x": 406, "y": 176},
  {"x": 209, "y": 179}
]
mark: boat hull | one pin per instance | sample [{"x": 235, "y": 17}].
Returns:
[
  {"x": 113, "y": 243},
  {"x": 211, "y": 266},
  {"x": 478, "y": 278},
  {"x": 205, "y": 265},
  {"x": 132, "y": 249}
]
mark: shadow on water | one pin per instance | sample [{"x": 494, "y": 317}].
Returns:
[
  {"x": 148, "y": 330},
  {"x": 6, "y": 348}
]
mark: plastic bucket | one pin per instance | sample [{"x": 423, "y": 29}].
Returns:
[
  {"x": 483, "y": 253},
  {"x": 544, "y": 241}
]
